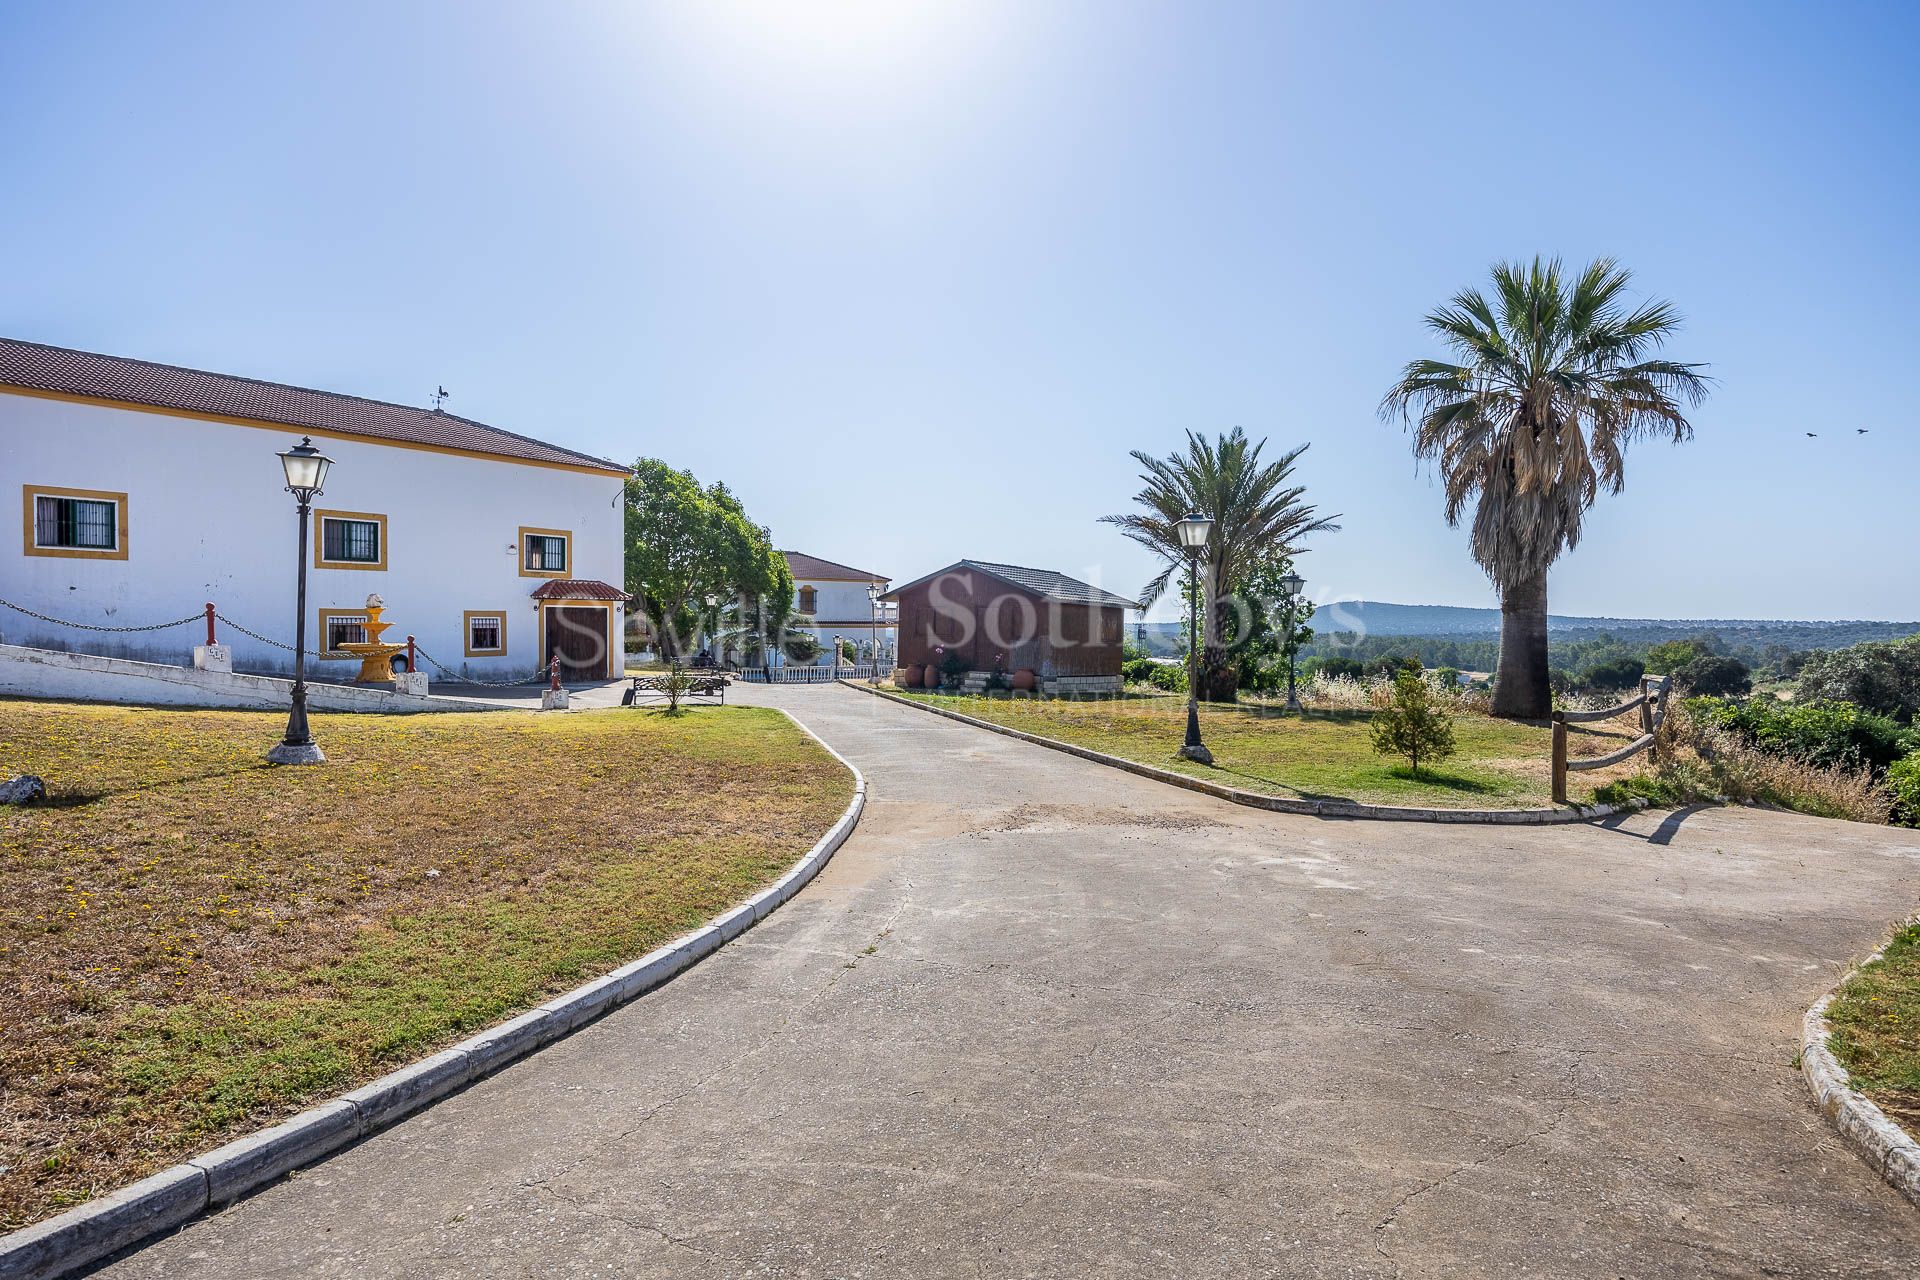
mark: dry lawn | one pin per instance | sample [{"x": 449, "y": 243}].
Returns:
[
  {"x": 194, "y": 944},
  {"x": 1876, "y": 1028},
  {"x": 1499, "y": 764}
]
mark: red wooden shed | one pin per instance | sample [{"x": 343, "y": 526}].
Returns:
[{"x": 1068, "y": 632}]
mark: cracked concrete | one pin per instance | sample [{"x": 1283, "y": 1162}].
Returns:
[{"x": 1040, "y": 1017}]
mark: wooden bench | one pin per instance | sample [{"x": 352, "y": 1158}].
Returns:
[{"x": 699, "y": 689}]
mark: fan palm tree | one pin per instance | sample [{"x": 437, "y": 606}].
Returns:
[
  {"x": 1552, "y": 378},
  {"x": 1255, "y": 513}
]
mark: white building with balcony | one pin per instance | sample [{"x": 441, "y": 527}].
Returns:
[{"x": 832, "y": 599}]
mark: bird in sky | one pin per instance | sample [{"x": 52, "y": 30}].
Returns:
[
  {"x": 1813, "y": 435},
  {"x": 1859, "y": 431}
]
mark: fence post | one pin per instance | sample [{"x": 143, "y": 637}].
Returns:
[
  {"x": 413, "y": 664},
  {"x": 1651, "y": 720},
  {"x": 210, "y": 640},
  {"x": 1559, "y": 757},
  {"x": 1646, "y": 705}
]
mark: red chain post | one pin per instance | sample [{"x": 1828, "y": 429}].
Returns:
[
  {"x": 413, "y": 663},
  {"x": 210, "y": 640},
  {"x": 553, "y": 672}
]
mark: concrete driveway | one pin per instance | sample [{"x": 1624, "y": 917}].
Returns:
[{"x": 1044, "y": 1018}]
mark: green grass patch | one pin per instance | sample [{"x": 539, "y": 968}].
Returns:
[
  {"x": 1317, "y": 755},
  {"x": 1876, "y": 1028},
  {"x": 194, "y": 943}
]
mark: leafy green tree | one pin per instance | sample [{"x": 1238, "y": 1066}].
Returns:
[
  {"x": 1413, "y": 724},
  {"x": 1254, "y": 630},
  {"x": 802, "y": 646},
  {"x": 1670, "y": 655},
  {"x": 1882, "y": 677},
  {"x": 687, "y": 543},
  {"x": 1551, "y": 379},
  {"x": 1719, "y": 677},
  {"x": 1613, "y": 675},
  {"x": 1390, "y": 665},
  {"x": 1256, "y": 512}
]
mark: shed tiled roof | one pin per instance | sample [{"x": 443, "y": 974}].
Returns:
[
  {"x": 805, "y": 566},
  {"x": 35, "y": 367},
  {"x": 578, "y": 589},
  {"x": 1045, "y": 583}
]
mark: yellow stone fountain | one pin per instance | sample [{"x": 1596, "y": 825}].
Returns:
[{"x": 376, "y": 657}]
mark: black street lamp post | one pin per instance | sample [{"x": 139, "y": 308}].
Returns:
[
  {"x": 874, "y": 592},
  {"x": 306, "y": 471},
  {"x": 1193, "y": 531},
  {"x": 1291, "y": 584}
]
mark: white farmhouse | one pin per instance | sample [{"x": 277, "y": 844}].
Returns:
[
  {"x": 147, "y": 490},
  {"x": 831, "y": 600}
]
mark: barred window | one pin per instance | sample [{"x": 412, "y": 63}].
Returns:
[
  {"x": 483, "y": 633},
  {"x": 350, "y": 541},
  {"x": 81, "y": 524},
  {"x": 546, "y": 553},
  {"x": 344, "y": 628}
]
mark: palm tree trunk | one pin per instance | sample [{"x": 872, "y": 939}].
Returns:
[{"x": 1520, "y": 689}]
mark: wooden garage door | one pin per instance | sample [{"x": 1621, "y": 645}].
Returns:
[{"x": 579, "y": 633}]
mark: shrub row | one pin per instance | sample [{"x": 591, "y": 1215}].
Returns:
[{"x": 1823, "y": 734}]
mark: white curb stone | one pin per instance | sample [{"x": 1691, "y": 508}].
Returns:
[
  {"x": 259, "y": 1158},
  {"x": 105, "y": 1226},
  {"x": 135, "y": 1214},
  {"x": 1891, "y": 1150},
  {"x": 410, "y": 1088}
]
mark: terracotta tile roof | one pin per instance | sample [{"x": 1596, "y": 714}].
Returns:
[
  {"x": 806, "y": 566},
  {"x": 1045, "y": 583},
  {"x": 34, "y": 367},
  {"x": 578, "y": 589}
]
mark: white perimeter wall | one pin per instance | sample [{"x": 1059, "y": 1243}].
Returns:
[{"x": 209, "y": 519}]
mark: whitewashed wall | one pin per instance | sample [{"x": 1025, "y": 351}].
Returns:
[
  {"x": 209, "y": 519},
  {"x": 842, "y": 608}
]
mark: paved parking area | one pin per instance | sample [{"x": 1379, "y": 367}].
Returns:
[{"x": 1044, "y": 1018}]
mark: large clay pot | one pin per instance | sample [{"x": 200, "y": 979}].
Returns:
[
  {"x": 913, "y": 675},
  {"x": 1024, "y": 679}
]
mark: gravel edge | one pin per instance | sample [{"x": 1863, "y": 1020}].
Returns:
[
  {"x": 1280, "y": 804},
  {"x": 1892, "y": 1152},
  {"x": 138, "y": 1213}
]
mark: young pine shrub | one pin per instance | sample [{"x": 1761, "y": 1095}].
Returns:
[{"x": 1413, "y": 723}]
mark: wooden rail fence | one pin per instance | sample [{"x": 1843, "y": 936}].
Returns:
[{"x": 1652, "y": 704}]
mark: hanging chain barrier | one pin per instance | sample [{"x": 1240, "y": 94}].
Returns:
[
  {"x": 198, "y": 615},
  {"x": 253, "y": 635},
  {"x": 457, "y": 678}
]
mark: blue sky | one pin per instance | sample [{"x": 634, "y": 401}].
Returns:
[{"x": 913, "y": 280}]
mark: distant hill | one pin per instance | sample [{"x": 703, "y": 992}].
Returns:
[{"x": 1376, "y": 619}]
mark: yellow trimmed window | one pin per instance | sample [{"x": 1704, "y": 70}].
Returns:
[
  {"x": 546, "y": 553},
  {"x": 349, "y": 540},
  {"x": 88, "y": 524},
  {"x": 338, "y": 627},
  {"x": 486, "y": 633}
]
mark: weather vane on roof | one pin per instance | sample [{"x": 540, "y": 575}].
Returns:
[{"x": 439, "y": 395}]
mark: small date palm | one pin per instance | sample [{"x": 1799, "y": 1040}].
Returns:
[
  {"x": 1552, "y": 377},
  {"x": 1256, "y": 511}
]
